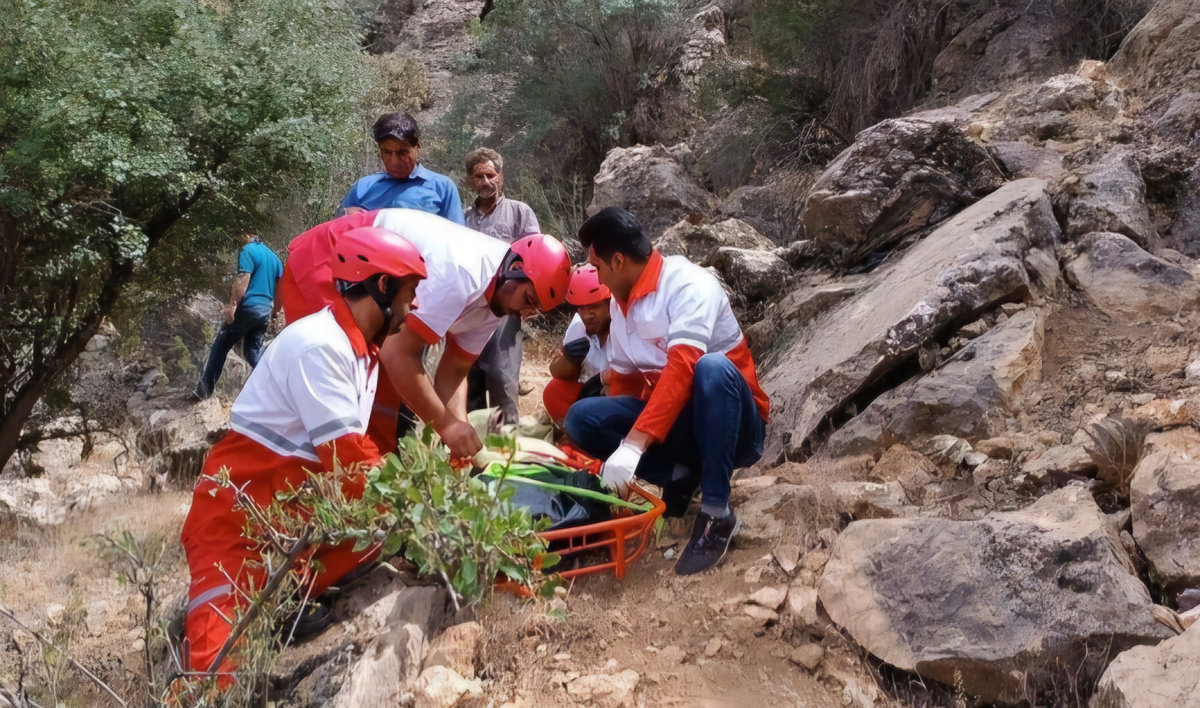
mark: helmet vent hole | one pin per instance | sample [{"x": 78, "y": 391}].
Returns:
[
  {"x": 341, "y": 258},
  {"x": 363, "y": 258}
]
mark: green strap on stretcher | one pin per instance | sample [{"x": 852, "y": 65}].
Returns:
[{"x": 520, "y": 473}]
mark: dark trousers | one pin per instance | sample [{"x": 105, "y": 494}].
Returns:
[
  {"x": 719, "y": 430},
  {"x": 497, "y": 371},
  {"x": 249, "y": 326}
]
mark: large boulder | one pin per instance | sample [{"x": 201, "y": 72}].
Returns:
[
  {"x": 1163, "y": 676},
  {"x": 753, "y": 275},
  {"x": 699, "y": 242},
  {"x": 772, "y": 208},
  {"x": 1000, "y": 603},
  {"x": 1112, "y": 197},
  {"x": 899, "y": 177},
  {"x": 1157, "y": 63},
  {"x": 1165, "y": 498},
  {"x": 968, "y": 397},
  {"x": 1128, "y": 283},
  {"x": 651, "y": 183},
  {"x": 999, "y": 249}
]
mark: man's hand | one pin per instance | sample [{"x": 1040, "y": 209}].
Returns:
[
  {"x": 576, "y": 351},
  {"x": 619, "y": 470},
  {"x": 352, "y": 210},
  {"x": 229, "y": 312},
  {"x": 459, "y": 436}
]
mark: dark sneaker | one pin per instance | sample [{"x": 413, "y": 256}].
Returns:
[
  {"x": 312, "y": 619},
  {"x": 710, "y": 541}
]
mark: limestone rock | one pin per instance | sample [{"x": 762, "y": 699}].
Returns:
[
  {"x": 1156, "y": 63},
  {"x": 754, "y": 275},
  {"x": 1126, "y": 282},
  {"x": 770, "y": 596},
  {"x": 651, "y": 184},
  {"x": 899, "y": 177},
  {"x": 1164, "y": 496},
  {"x": 442, "y": 687},
  {"x": 996, "y": 598},
  {"x": 1023, "y": 159},
  {"x": 1163, "y": 413},
  {"x": 699, "y": 242},
  {"x": 999, "y": 247},
  {"x": 386, "y": 671},
  {"x": 809, "y": 656},
  {"x": 1065, "y": 92},
  {"x": 772, "y": 208},
  {"x": 456, "y": 648},
  {"x": 1162, "y": 676},
  {"x": 802, "y": 602},
  {"x": 1060, "y": 463},
  {"x": 769, "y": 514},
  {"x": 868, "y": 500},
  {"x": 606, "y": 691},
  {"x": 969, "y": 396},
  {"x": 1112, "y": 198}
]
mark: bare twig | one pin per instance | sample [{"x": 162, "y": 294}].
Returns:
[
  {"x": 82, "y": 669},
  {"x": 251, "y": 613}
]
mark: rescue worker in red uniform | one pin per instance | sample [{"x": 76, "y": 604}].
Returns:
[
  {"x": 474, "y": 280},
  {"x": 579, "y": 368},
  {"x": 306, "y": 403},
  {"x": 684, "y": 407}
]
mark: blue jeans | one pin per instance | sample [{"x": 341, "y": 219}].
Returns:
[
  {"x": 249, "y": 326},
  {"x": 719, "y": 430}
]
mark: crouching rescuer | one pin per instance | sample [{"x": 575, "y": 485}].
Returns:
[
  {"x": 684, "y": 407},
  {"x": 304, "y": 409},
  {"x": 578, "y": 369}
]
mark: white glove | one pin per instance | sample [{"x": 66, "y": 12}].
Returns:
[{"x": 617, "y": 472}]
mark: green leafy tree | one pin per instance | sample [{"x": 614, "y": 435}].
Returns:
[{"x": 133, "y": 133}]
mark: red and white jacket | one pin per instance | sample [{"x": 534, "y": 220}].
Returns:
[
  {"x": 308, "y": 400},
  {"x": 676, "y": 313}
]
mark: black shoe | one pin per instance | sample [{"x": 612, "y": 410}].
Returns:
[
  {"x": 710, "y": 541},
  {"x": 313, "y": 618}
]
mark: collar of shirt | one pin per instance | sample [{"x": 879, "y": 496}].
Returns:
[
  {"x": 419, "y": 173},
  {"x": 646, "y": 283},
  {"x": 345, "y": 320},
  {"x": 475, "y": 206}
]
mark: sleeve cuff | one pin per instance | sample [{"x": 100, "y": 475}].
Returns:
[{"x": 423, "y": 331}]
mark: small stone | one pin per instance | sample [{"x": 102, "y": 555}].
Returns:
[
  {"x": 788, "y": 557},
  {"x": 562, "y": 657},
  {"x": 771, "y": 596},
  {"x": 713, "y": 647},
  {"x": 673, "y": 655},
  {"x": 974, "y": 329},
  {"x": 1012, "y": 308},
  {"x": 1193, "y": 370},
  {"x": 139, "y": 645},
  {"x": 1141, "y": 399},
  {"x": 802, "y": 602},
  {"x": 999, "y": 447},
  {"x": 669, "y": 554},
  {"x": 604, "y": 689},
  {"x": 974, "y": 459},
  {"x": 809, "y": 656},
  {"x": 456, "y": 648},
  {"x": 1117, "y": 381},
  {"x": 1164, "y": 413},
  {"x": 761, "y": 615},
  {"x": 816, "y": 560}
]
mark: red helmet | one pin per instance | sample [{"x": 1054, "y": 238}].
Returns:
[
  {"x": 585, "y": 288},
  {"x": 368, "y": 250},
  {"x": 544, "y": 261}
]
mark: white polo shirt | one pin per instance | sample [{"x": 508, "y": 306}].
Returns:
[
  {"x": 461, "y": 264},
  {"x": 597, "y": 359},
  {"x": 688, "y": 307},
  {"x": 309, "y": 388}
]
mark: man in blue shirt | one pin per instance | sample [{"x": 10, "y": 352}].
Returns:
[
  {"x": 248, "y": 313},
  {"x": 404, "y": 183}
]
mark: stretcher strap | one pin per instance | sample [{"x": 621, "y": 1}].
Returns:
[{"x": 209, "y": 596}]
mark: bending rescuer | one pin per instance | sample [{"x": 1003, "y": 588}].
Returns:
[
  {"x": 306, "y": 403},
  {"x": 474, "y": 280}
]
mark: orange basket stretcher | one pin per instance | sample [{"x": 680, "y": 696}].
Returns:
[{"x": 624, "y": 538}]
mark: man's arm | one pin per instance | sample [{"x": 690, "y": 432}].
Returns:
[
  {"x": 451, "y": 376},
  {"x": 237, "y": 292},
  {"x": 452, "y": 207},
  {"x": 401, "y": 355},
  {"x": 564, "y": 368}
]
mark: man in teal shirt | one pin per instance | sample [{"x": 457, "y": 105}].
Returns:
[
  {"x": 248, "y": 313},
  {"x": 404, "y": 183}
]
